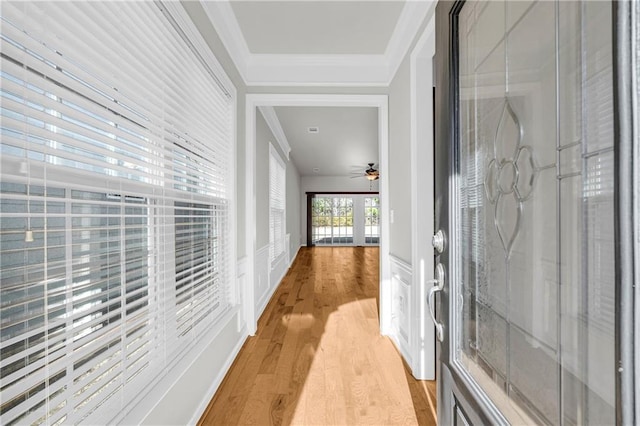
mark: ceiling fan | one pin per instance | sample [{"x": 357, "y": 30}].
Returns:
[{"x": 371, "y": 173}]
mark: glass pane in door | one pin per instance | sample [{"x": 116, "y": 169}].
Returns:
[
  {"x": 332, "y": 220},
  {"x": 372, "y": 220},
  {"x": 321, "y": 219},
  {"x": 343, "y": 220},
  {"x": 534, "y": 283}
]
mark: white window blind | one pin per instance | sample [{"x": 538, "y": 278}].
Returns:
[
  {"x": 277, "y": 204},
  {"x": 116, "y": 168}
]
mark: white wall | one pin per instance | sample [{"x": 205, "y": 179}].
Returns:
[
  {"x": 399, "y": 163},
  {"x": 264, "y": 137}
]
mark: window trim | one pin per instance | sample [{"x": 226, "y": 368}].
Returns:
[{"x": 274, "y": 155}]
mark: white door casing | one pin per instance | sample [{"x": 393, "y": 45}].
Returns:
[
  {"x": 253, "y": 101},
  {"x": 422, "y": 341}
]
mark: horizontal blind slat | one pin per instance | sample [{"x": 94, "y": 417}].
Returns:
[{"x": 91, "y": 109}]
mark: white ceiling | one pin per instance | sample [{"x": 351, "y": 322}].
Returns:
[
  {"x": 348, "y": 137},
  {"x": 311, "y": 27},
  {"x": 320, "y": 43}
]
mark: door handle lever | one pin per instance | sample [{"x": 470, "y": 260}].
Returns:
[{"x": 438, "y": 286}]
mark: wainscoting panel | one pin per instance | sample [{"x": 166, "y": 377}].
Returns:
[
  {"x": 262, "y": 270},
  {"x": 401, "y": 279},
  {"x": 237, "y": 297},
  {"x": 287, "y": 245},
  {"x": 279, "y": 268}
]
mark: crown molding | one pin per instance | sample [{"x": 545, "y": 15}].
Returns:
[
  {"x": 317, "y": 70},
  {"x": 226, "y": 25},
  {"x": 270, "y": 116},
  {"x": 413, "y": 15}
]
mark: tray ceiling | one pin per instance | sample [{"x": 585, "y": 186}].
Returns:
[
  {"x": 311, "y": 28},
  {"x": 323, "y": 43}
]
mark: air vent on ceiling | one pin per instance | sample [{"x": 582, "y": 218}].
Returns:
[{"x": 313, "y": 130}]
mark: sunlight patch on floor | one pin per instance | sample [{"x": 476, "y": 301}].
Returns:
[
  {"x": 298, "y": 321},
  {"x": 356, "y": 374}
]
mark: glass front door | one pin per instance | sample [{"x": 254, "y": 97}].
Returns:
[{"x": 525, "y": 192}]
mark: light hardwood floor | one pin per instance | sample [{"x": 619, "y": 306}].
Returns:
[{"x": 318, "y": 357}]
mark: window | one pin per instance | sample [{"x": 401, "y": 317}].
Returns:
[
  {"x": 277, "y": 204},
  {"x": 116, "y": 196},
  {"x": 199, "y": 241}
]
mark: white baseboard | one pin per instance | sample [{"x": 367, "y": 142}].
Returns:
[
  {"x": 262, "y": 285},
  {"x": 208, "y": 396},
  {"x": 293, "y": 259},
  {"x": 158, "y": 395}
]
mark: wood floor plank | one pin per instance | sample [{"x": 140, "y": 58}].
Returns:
[
  {"x": 257, "y": 410},
  {"x": 318, "y": 357}
]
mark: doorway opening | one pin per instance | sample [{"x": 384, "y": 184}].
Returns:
[{"x": 354, "y": 102}]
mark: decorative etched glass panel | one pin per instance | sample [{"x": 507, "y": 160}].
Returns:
[{"x": 535, "y": 209}]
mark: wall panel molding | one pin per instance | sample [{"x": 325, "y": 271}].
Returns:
[
  {"x": 261, "y": 283},
  {"x": 401, "y": 326}
]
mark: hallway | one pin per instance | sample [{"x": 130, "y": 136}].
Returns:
[{"x": 318, "y": 357}]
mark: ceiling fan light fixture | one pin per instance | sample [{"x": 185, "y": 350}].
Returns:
[{"x": 371, "y": 177}]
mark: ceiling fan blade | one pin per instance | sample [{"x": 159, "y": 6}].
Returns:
[{"x": 353, "y": 177}]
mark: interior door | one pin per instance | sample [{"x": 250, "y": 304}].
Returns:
[{"x": 525, "y": 202}]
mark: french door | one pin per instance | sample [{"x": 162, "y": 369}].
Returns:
[
  {"x": 343, "y": 219},
  {"x": 526, "y": 194}
]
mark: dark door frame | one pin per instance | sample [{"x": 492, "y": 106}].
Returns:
[
  {"x": 626, "y": 28},
  {"x": 625, "y": 20}
]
